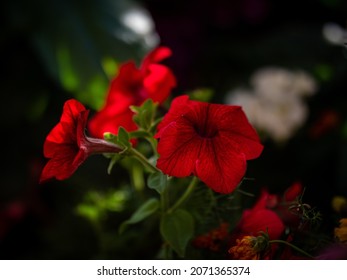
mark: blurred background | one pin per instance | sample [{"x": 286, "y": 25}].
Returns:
[{"x": 248, "y": 52}]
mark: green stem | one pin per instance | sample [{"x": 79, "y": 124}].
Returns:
[
  {"x": 140, "y": 157},
  {"x": 244, "y": 192},
  {"x": 293, "y": 246},
  {"x": 185, "y": 195}
]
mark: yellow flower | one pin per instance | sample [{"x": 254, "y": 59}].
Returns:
[
  {"x": 245, "y": 249},
  {"x": 341, "y": 231}
]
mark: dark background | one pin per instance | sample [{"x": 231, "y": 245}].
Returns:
[{"x": 216, "y": 44}]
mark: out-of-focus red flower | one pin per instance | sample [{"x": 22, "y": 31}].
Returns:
[
  {"x": 284, "y": 205},
  {"x": 11, "y": 214},
  {"x": 327, "y": 121},
  {"x": 67, "y": 146},
  {"x": 132, "y": 86},
  {"x": 210, "y": 141},
  {"x": 256, "y": 222}
]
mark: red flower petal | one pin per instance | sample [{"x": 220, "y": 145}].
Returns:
[
  {"x": 179, "y": 106},
  {"x": 159, "y": 82},
  {"x": 109, "y": 121},
  {"x": 133, "y": 86},
  {"x": 293, "y": 192},
  {"x": 211, "y": 141},
  {"x": 219, "y": 168},
  {"x": 254, "y": 221},
  {"x": 179, "y": 148},
  {"x": 62, "y": 143},
  {"x": 156, "y": 56}
]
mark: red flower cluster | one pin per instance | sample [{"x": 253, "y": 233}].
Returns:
[
  {"x": 253, "y": 224},
  {"x": 132, "y": 86},
  {"x": 210, "y": 141},
  {"x": 67, "y": 146}
]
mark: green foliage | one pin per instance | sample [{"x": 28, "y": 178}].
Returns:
[
  {"x": 95, "y": 204},
  {"x": 123, "y": 138},
  {"x": 157, "y": 181},
  {"x": 177, "y": 228},
  {"x": 145, "y": 114},
  {"x": 145, "y": 210}
]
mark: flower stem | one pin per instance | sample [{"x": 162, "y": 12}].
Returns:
[
  {"x": 244, "y": 192},
  {"x": 292, "y": 246},
  {"x": 140, "y": 157},
  {"x": 185, "y": 195}
]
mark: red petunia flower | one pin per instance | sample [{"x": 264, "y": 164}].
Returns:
[
  {"x": 133, "y": 86},
  {"x": 67, "y": 146},
  {"x": 210, "y": 141}
]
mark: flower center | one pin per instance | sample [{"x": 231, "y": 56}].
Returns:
[
  {"x": 204, "y": 132},
  {"x": 203, "y": 126}
]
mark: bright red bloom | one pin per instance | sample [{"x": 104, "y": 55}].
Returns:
[
  {"x": 210, "y": 141},
  {"x": 132, "y": 86},
  {"x": 67, "y": 146}
]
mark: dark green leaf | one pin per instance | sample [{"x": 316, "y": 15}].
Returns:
[
  {"x": 145, "y": 210},
  {"x": 177, "y": 228},
  {"x": 144, "y": 114},
  {"x": 157, "y": 181},
  {"x": 123, "y": 137},
  {"x": 113, "y": 161}
]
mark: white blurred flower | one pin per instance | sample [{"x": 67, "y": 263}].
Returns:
[
  {"x": 304, "y": 84},
  {"x": 334, "y": 33},
  {"x": 140, "y": 22},
  {"x": 275, "y": 105},
  {"x": 274, "y": 82}
]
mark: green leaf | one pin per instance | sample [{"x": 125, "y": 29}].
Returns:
[
  {"x": 144, "y": 114},
  {"x": 145, "y": 210},
  {"x": 200, "y": 203},
  {"x": 139, "y": 134},
  {"x": 177, "y": 228},
  {"x": 123, "y": 137},
  {"x": 114, "y": 159},
  {"x": 157, "y": 181}
]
